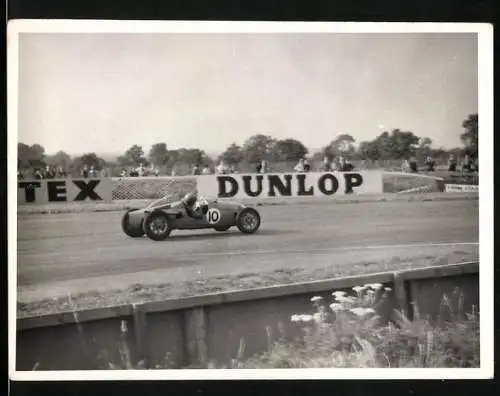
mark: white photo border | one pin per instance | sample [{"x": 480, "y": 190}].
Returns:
[{"x": 484, "y": 33}]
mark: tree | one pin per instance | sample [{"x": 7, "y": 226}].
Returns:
[
  {"x": 318, "y": 156},
  {"x": 132, "y": 157},
  {"x": 396, "y": 146},
  {"x": 172, "y": 157},
  {"x": 470, "y": 136},
  {"x": 289, "y": 150},
  {"x": 30, "y": 156},
  {"x": 59, "y": 159},
  {"x": 369, "y": 150},
  {"x": 88, "y": 159},
  {"x": 403, "y": 144},
  {"x": 341, "y": 145},
  {"x": 190, "y": 156},
  {"x": 233, "y": 155},
  {"x": 258, "y": 147},
  {"x": 158, "y": 155},
  {"x": 424, "y": 148}
]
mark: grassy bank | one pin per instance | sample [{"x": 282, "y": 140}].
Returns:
[
  {"x": 350, "y": 333},
  {"x": 352, "y": 330}
]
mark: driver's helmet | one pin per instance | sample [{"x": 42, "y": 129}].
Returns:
[
  {"x": 189, "y": 199},
  {"x": 202, "y": 201}
]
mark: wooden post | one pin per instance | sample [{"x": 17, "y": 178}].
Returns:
[
  {"x": 140, "y": 333},
  {"x": 401, "y": 294},
  {"x": 196, "y": 336}
]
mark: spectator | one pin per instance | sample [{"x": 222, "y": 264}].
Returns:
[
  {"x": 307, "y": 166},
  {"x": 405, "y": 167},
  {"x": 348, "y": 166},
  {"x": 206, "y": 170},
  {"x": 196, "y": 169},
  {"x": 431, "y": 163},
  {"x": 48, "y": 173},
  {"x": 341, "y": 163},
  {"x": 92, "y": 172},
  {"x": 452, "y": 163},
  {"x": 123, "y": 173},
  {"x": 261, "y": 166},
  {"x": 467, "y": 164},
  {"x": 222, "y": 168},
  {"x": 327, "y": 165},
  {"x": 156, "y": 172},
  {"x": 20, "y": 175},
  {"x": 334, "y": 165},
  {"x": 60, "y": 172},
  {"x": 300, "y": 166},
  {"x": 85, "y": 171},
  {"x": 413, "y": 164},
  {"x": 140, "y": 170},
  {"x": 38, "y": 174}
]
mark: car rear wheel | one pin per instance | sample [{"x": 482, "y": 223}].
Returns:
[
  {"x": 157, "y": 226},
  {"x": 130, "y": 229},
  {"x": 248, "y": 221}
]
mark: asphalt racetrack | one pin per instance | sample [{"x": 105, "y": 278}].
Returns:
[{"x": 87, "y": 252}]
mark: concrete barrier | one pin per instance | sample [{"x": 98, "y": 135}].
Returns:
[{"x": 196, "y": 330}]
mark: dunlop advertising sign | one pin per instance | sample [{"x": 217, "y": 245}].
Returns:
[{"x": 291, "y": 185}]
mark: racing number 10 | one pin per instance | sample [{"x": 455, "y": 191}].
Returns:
[{"x": 213, "y": 216}]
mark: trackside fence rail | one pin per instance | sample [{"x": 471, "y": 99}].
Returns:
[
  {"x": 190, "y": 332},
  {"x": 107, "y": 190}
]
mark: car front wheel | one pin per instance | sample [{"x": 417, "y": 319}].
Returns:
[
  {"x": 157, "y": 226},
  {"x": 248, "y": 221}
]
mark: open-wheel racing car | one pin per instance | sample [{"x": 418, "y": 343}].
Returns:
[{"x": 191, "y": 212}]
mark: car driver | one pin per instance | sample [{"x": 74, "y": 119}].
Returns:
[{"x": 196, "y": 207}]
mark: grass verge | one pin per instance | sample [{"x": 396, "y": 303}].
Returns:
[
  {"x": 350, "y": 333},
  {"x": 140, "y": 293}
]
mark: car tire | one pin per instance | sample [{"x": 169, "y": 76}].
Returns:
[
  {"x": 246, "y": 215},
  {"x": 128, "y": 229},
  {"x": 222, "y": 229},
  {"x": 157, "y": 235}
]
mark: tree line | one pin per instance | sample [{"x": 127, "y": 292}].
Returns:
[{"x": 394, "y": 145}]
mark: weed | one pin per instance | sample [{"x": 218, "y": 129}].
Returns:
[{"x": 349, "y": 333}]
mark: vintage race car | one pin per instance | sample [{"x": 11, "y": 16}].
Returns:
[{"x": 161, "y": 217}]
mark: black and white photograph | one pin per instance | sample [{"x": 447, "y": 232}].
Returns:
[{"x": 233, "y": 200}]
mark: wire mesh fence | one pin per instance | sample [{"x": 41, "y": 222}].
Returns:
[{"x": 151, "y": 187}]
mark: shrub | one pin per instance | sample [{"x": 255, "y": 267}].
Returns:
[{"x": 349, "y": 333}]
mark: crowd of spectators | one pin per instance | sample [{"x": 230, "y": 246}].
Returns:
[
  {"x": 43, "y": 173},
  {"x": 467, "y": 164},
  {"x": 304, "y": 165}
]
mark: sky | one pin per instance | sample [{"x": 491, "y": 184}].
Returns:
[{"x": 88, "y": 92}]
